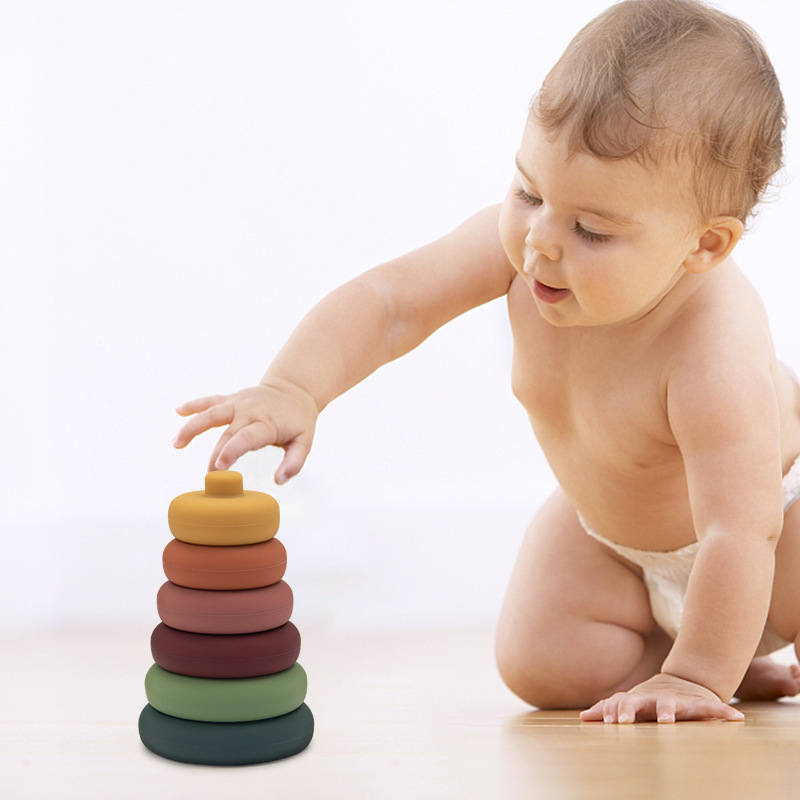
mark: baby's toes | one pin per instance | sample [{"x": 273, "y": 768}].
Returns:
[{"x": 794, "y": 671}]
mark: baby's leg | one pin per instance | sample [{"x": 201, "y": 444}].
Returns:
[
  {"x": 767, "y": 679},
  {"x": 575, "y": 626}
]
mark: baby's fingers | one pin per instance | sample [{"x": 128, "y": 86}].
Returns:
[
  {"x": 296, "y": 453},
  {"x": 609, "y": 710},
  {"x": 201, "y": 404},
  {"x": 709, "y": 709},
  {"x": 630, "y": 706},
  {"x": 202, "y": 421},
  {"x": 666, "y": 706},
  {"x": 595, "y": 713},
  {"x": 233, "y": 444}
]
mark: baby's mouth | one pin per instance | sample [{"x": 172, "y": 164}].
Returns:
[{"x": 548, "y": 294}]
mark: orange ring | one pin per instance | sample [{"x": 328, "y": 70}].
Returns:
[{"x": 245, "y": 566}]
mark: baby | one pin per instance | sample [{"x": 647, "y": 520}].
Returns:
[{"x": 657, "y": 578}]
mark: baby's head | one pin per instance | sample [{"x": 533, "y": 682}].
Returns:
[{"x": 656, "y": 80}]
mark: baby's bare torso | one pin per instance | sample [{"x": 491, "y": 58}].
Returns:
[{"x": 597, "y": 401}]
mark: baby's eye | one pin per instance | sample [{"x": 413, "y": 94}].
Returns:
[
  {"x": 590, "y": 236},
  {"x": 530, "y": 199}
]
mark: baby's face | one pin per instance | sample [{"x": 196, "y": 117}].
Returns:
[{"x": 598, "y": 242}]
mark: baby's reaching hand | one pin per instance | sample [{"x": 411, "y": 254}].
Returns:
[
  {"x": 276, "y": 412},
  {"x": 664, "y": 698}
]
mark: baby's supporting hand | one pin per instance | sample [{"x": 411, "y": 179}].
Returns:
[
  {"x": 664, "y": 698},
  {"x": 276, "y": 412}
]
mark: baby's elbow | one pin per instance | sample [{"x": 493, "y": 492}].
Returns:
[
  {"x": 770, "y": 534},
  {"x": 773, "y": 537},
  {"x": 769, "y": 537},
  {"x": 767, "y": 527},
  {"x": 773, "y": 528}
]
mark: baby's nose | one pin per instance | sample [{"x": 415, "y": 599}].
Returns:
[{"x": 542, "y": 240}]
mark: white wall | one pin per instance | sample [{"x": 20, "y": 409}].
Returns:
[{"x": 186, "y": 179}]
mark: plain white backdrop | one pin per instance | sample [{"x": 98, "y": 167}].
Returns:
[{"x": 181, "y": 182}]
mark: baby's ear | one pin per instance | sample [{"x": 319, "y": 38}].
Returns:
[{"x": 716, "y": 243}]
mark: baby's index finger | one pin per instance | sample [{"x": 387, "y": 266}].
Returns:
[
  {"x": 200, "y": 404},
  {"x": 186, "y": 409},
  {"x": 182, "y": 438}
]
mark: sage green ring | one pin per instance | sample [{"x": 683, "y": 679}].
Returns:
[{"x": 226, "y": 699}]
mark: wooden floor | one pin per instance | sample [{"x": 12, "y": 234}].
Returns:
[{"x": 407, "y": 716}]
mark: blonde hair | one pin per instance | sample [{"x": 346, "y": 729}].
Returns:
[{"x": 652, "y": 79}]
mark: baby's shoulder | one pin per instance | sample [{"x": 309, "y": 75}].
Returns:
[
  {"x": 720, "y": 344},
  {"x": 725, "y": 316}
]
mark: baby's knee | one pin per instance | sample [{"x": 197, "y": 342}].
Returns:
[{"x": 531, "y": 675}]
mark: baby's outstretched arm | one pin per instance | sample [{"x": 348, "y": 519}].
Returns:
[{"x": 373, "y": 319}]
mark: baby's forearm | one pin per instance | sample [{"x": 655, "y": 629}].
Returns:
[
  {"x": 388, "y": 311},
  {"x": 727, "y": 602}
]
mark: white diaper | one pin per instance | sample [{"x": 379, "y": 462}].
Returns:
[{"x": 666, "y": 574}]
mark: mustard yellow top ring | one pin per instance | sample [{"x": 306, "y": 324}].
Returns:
[{"x": 224, "y": 513}]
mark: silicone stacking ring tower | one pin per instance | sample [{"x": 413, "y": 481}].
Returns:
[{"x": 225, "y": 688}]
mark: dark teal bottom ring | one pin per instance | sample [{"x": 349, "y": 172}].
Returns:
[{"x": 226, "y": 743}]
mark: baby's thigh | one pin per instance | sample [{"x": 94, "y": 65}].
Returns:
[
  {"x": 564, "y": 579},
  {"x": 784, "y": 611}
]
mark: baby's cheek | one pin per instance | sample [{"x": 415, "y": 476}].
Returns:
[{"x": 512, "y": 237}]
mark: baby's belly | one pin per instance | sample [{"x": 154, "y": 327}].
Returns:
[{"x": 642, "y": 503}]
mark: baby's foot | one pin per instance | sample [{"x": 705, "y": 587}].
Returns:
[{"x": 767, "y": 680}]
